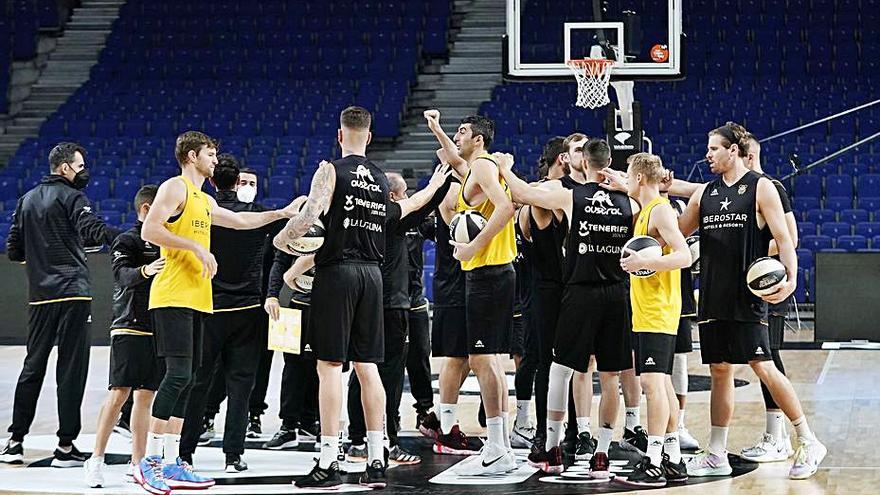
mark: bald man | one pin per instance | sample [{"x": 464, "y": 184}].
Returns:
[{"x": 396, "y": 303}]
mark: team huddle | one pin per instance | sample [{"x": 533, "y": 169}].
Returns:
[{"x": 588, "y": 269}]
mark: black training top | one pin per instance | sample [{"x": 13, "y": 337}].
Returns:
[
  {"x": 448, "y": 275},
  {"x": 602, "y": 222},
  {"x": 131, "y": 286},
  {"x": 522, "y": 265}
]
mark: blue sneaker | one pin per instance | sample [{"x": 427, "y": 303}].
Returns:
[
  {"x": 148, "y": 474},
  {"x": 180, "y": 475}
]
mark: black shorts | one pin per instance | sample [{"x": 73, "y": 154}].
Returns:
[
  {"x": 734, "y": 342},
  {"x": 684, "y": 340},
  {"x": 594, "y": 320},
  {"x": 449, "y": 332},
  {"x": 178, "y": 333},
  {"x": 653, "y": 352},
  {"x": 305, "y": 348},
  {"x": 489, "y": 295},
  {"x": 346, "y": 318},
  {"x": 133, "y": 363}
]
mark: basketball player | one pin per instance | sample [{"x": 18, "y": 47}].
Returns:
[
  {"x": 180, "y": 223},
  {"x": 775, "y": 444},
  {"x": 523, "y": 345},
  {"x": 133, "y": 363},
  {"x": 346, "y": 323},
  {"x": 418, "y": 361},
  {"x": 656, "y": 309},
  {"x": 737, "y": 214},
  {"x": 595, "y": 310}
]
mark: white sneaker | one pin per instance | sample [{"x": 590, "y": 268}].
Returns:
[
  {"x": 789, "y": 451},
  {"x": 130, "y": 471},
  {"x": 768, "y": 449},
  {"x": 490, "y": 461},
  {"x": 687, "y": 441},
  {"x": 708, "y": 464},
  {"x": 521, "y": 437},
  {"x": 94, "y": 471},
  {"x": 807, "y": 459}
]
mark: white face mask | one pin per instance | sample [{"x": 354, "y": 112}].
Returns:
[{"x": 246, "y": 194}]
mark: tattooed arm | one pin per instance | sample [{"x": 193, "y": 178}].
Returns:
[{"x": 320, "y": 195}]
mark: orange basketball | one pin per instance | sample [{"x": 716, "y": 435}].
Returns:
[{"x": 659, "y": 53}]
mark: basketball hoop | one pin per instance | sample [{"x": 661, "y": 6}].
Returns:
[{"x": 593, "y": 76}]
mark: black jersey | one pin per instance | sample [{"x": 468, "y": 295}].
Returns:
[
  {"x": 355, "y": 223},
  {"x": 783, "y": 194},
  {"x": 688, "y": 303},
  {"x": 547, "y": 246},
  {"x": 448, "y": 275},
  {"x": 730, "y": 240},
  {"x": 601, "y": 223},
  {"x": 523, "y": 267}
]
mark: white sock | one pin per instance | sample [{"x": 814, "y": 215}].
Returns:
[
  {"x": 447, "y": 417},
  {"x": 583, "y": 424},
  {"x": 718, "y": 441},
  {"x": 672, "y": 447},
  {"x": 505, "y": 423},
  {"x": 604, "y": 439},
  {"x": 681, "y": 418},
  {"x": 375, "y": 446},
  {"x": 522, "y": 412},
  {"x": 554, "y": 433},
  {"x": 155, "y": 443},
  {"x": 496, "y": 431},
  {"x": 329, "y": 449},
  {"x": 775, "y": 420},
  {"x": 172, "y": 447},
  {"x": 632, "y": 417},
  {"x": 680, "y": 374},
  {"x": 803, "y": 430},
  {"x": 655, "y": 449}
]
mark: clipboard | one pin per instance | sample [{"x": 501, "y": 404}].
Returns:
[{"x": 285, "y": 334}]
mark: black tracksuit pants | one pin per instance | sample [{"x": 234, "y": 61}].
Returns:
[
  {"x": 63, "y": 322},
  {"x": 418, "y": 360}
]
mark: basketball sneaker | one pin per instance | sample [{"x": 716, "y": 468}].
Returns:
[
  {"x": 687, "y": 441},
  {"x": 635, "y": 440},
  {"x": 284, "y": 439},
  {"x": 493, "y": 459},
  {"x": 768, "y": 449},
  {"x": 429, "y": 426},
  {"x": 310, "y": 432},
  {"x": 321, "y": 479},
  {"x": 599, "y": 466},
  {"x": 586, "y": 446},
  {"x": 255, "y": 428},
  {"x": 149, "y": 474},
  {"x": 180, "y": 475},
  {"x": 646, "y": 474},
  {"x": 94, "y": 472},
  {"x": 674, "y": 473},
  {"x": 401, "y": 457},
  {"x": 12, "y": 454},
  {"x": 357, "y": 453},
  {"x": 706, "y": 463},
  {"x": 208, "y": 432},
  {"x": 807, "y": 458},
  {"x": 521, "y": 437},
  {"x": 374, "y": 475},
  {"x": 549, "y": 461},
  {"x": 123, "y": 428},
  {"x": 453, "y": 443},
  {"x": 72, "y": 458},
  {"x": 234, "y": 464}
]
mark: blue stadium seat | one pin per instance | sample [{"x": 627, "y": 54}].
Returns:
[
  {"x": 806, "y": 228},
  {"x": 98, "y": 189},
  {"x": 839, "y": 186},
  {"x": 816, "y": 242},
  {"x": 852, "y": 242},
  {"x": 836, "y": 229},
  {"x": 867, "y": 229},
  {"x": 853, "y": 216},
  {"x": 820, "y": 216},
  {"x": 838, "y": 203}
]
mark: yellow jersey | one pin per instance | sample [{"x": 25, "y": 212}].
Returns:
[
  {"x": 656, "y": 300},
  {"x": 181, "y": 284},
  {"x": 502, "y": 248}
]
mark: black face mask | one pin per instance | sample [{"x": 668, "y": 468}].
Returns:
[{"x": 81, "y": 179}]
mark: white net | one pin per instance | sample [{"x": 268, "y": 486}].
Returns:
[{"x": 593, "y": 76}]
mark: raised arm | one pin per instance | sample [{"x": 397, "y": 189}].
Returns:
[
  {"x": 450, "y": 150},
  {"x": 430, "y": 192},
  {"x": 663, "y": 219},
  {"x": 683, "y": 188},
  {"x": 522, "y": 192},
  {"x": 320, "y": 196},
  {"x": 770, "y": 207}
]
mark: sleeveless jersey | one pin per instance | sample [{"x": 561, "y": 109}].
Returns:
[
  {"x": 601, "y": 224},
  {"x": 355, "y": 222},
  {"x": 181, "y": 284},
  {"x": 730, "y": 240},
  {"x": 448, "y": 277},
  {"x": 523, "y": 267},
  {"x": 656, "y": 300},
  {"x": 502, "y": 248},
  {"x": 547, "y": 244},
  {"x": 688, "y": 303}
]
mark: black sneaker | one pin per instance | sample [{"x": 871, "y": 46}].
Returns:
[
  {"x": 208, "y": 432},
  {"x": 646, "y": 474},
  {"x": 123, "y": 428},
  {"x": 12, "y": 455},
  {"x": 321, "y": 479},
  {"x": 635, "y": 440},
  {"x": 420, "y": 417},
  {"x": 549, "y": 461},
  {"x": 284, "y": 439},
  {"x": 429, "y": 425},
  {"x": 234, "y": 464},
  {"x": 586, "y": 446},
  {"x": 310, "y": 432},
  {"x": 255, "y": 428},
  {"x": 74, "y": 458},
  {"x": 401, "y": 457},
  {"x": 374, "y": 476},
  {"x": 569, "y": 442},
  {"x": 674, "y": 473}
]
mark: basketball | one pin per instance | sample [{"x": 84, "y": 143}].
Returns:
[
  {"x": 764, "y": 275},
  {"x": 311, "y": 241},
  {"x": 660, "y": 53},
  {"x": 466, "y": 225},
  {"x": 646, "y": 245},
  {"x": 303, "y": 283},
  {"x": 693, "y": 243}
]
